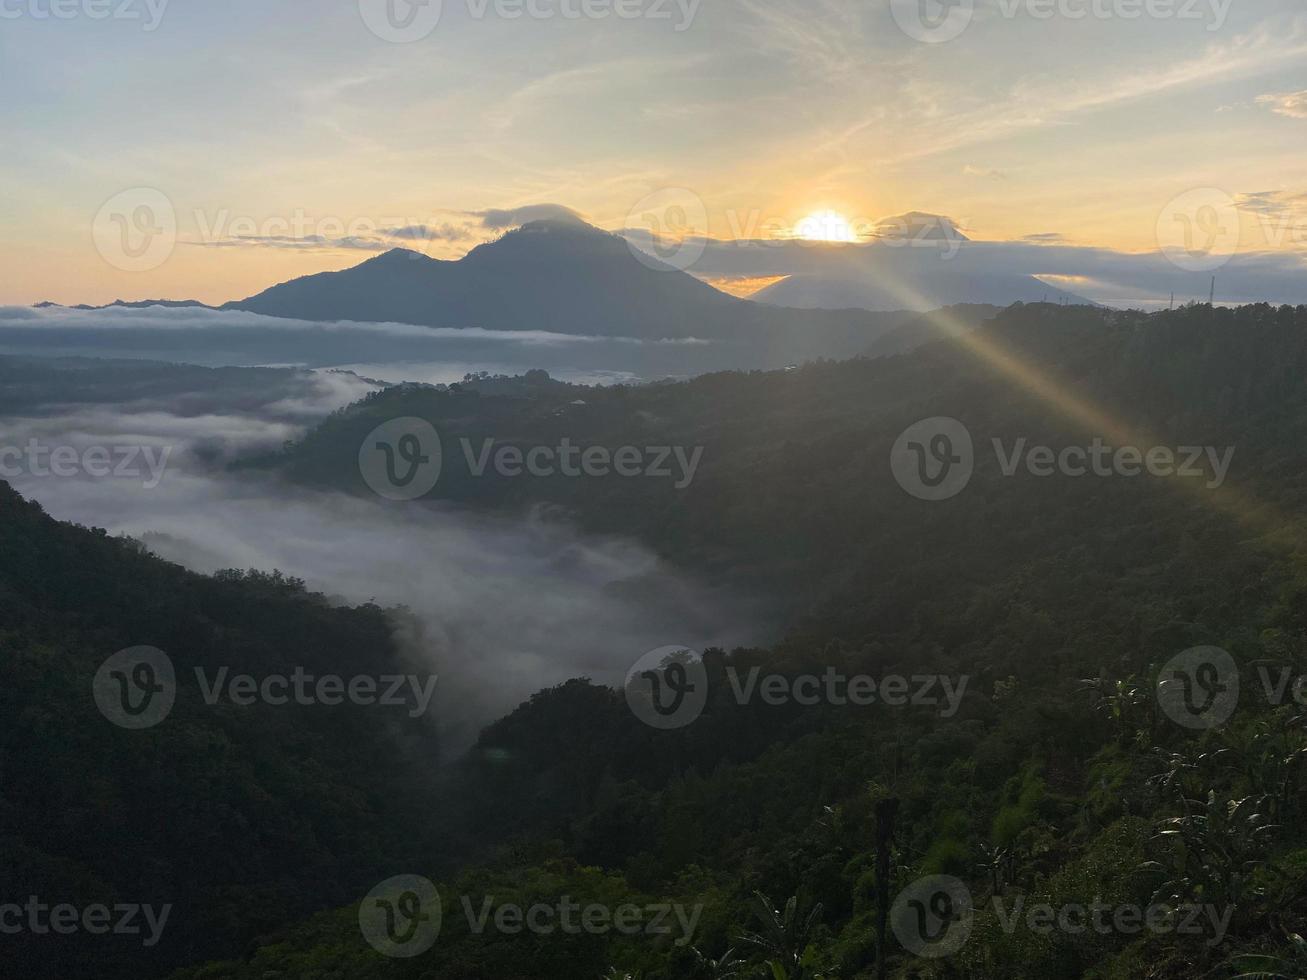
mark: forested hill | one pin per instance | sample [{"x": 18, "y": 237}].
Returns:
[
  {"x": 241, "y": 818},
  {"x": 1063, "y": 600},
  {"x": 794, "y": 489}
]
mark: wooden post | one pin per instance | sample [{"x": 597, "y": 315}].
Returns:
[{"x": 886, "y": 811}]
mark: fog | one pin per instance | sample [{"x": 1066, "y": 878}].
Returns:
[
  {"x": 502, "y": 605},
  {"x": 392, "y": 352}
]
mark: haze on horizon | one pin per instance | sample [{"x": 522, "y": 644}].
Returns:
[{"x": 282, "y": 158}]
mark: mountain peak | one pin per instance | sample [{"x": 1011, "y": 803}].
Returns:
[
  {"x": 559, "y": 225},
  {"x": 401, "y": 255}
]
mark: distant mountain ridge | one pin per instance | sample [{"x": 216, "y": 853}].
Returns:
[
  {"x": 568, "y": 277},
  {"x": 559, "y": 277},
  {"x": 140, "y": 304}
]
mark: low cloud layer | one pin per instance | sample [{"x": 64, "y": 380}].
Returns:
[
  {"x": 389, "y": 351},
  {"x": 501, "y": 606}
]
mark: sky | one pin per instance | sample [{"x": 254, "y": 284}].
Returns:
[{"x": 293, "y": 137}]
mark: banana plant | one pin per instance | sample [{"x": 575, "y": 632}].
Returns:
[
  {"x": 1272, "y": 758},
  {"x": 725, "y": 967},
  {"x": 1127, "y": 704},
  {"x": 785, "y": 939},
  {"x": 1217, "y": 847},
  {"x": 1257, "y": 966}
]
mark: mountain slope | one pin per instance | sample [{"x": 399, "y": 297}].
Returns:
[
  {"x": 1043, "y": 788},
  {"x": 239, "y": 817},
  {"x": 560, "y": 277}
]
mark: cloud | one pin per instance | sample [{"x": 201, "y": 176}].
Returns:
[
  {"x": 971, "y": 171},
  {"x": 391, "y": 351},
  {"x": 923, "y": 273},
  {"x": 1273, "y": 204},
  {"x": 1292, "y": 104},
  {"x": 497, "y": 218},
  {"x": 583, "y": 605},
  {"x": 382, "y": 240},
  {"x": 918, "y": 226},
  {"x": 429, "y": 233},
  {"x": 1045, "y": 238}
]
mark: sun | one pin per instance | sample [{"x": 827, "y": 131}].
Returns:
[{"x": 825, "y": 226}]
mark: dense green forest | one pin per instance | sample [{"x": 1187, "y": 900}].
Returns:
[
  {"x": 1061, "y": 780},
  {"x": 239, "y": 817}
]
